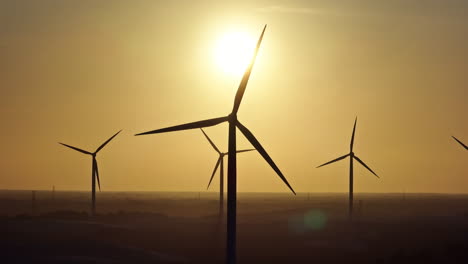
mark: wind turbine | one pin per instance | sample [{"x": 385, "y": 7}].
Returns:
[
  {"x": 232, "y": 169},
  {"x": 220, "y": 163},
  {"x": 94, "y": 170},
  {"x": 352, "y": 157},
  {"x": 461, "y": 143}
]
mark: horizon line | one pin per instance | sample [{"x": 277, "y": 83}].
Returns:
[{"x": 245, "y": 192}]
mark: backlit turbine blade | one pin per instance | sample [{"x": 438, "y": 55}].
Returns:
[
  {"x": 244, "y": 150},
  {"x": 352, "y": 137},
  {"x": 335, "y": 160},
  {"x": 460, "y": 142},
  {"x": 211, "y": 142},
  {"x": 363, "y": 164},
  {"x": 77, "y": 149},
  {"x": 262, "y": 152},
  {"x": 107, "y": 141},
  {"x": 214, "y": 171},
  {"x": 96, "y": 170},
  {"x": 245, "y": 78},
  {"x": 198, "y": 124},
  {"x": 240, "y": 151}
]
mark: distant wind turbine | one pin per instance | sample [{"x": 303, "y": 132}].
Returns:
[
  {"x": 232, "y": 169},
  {"x": 220, "y": 163},
  {"x": 352, "y": 156},
  {"x": 94, "y": 171},
  {"x": 461, "y": 143}
]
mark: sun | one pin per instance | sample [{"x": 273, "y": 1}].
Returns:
[{"x": 233, "y": 52}]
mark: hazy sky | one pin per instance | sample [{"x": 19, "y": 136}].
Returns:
[{"x": 77, "y": 71}]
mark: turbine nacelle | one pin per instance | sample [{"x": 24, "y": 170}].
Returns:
[{"x": 232, "y": 117}]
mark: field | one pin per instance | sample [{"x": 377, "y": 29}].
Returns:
[{"x": 272, "y": 228}]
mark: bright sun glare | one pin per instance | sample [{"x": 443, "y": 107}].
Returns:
[{"x": 233, "y": 52}]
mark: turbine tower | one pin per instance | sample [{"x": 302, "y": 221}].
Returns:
[
  {"x": 94, "y": 170},
  {"x": 352, "y": 157},
  {"x": 232, "y": 167},
  {"x": 461, "y": 143},
  {"x": 220, "y": 163}
]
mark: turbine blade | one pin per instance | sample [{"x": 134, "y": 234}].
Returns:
[
  {"x": 96, "y": 170},
  {"x": 335, "y": 160},
  {"x": 198, "y": 124},
  {"x": 214, "y": 171},
  {"x": 262, "y": 152},
  {"x": 363, "y": 164},
  {"x": 107, "y": 141},
  {"x": 211, "y": 142},
  {"x": 461, "y": 143},
  {"x": 352, "y": 137},
  {"x": 77, "y": 149},
  {"x": 244, "y": 150},
  {"x": 245, "y": 78}
]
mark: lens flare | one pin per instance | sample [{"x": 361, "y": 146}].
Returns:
[{"x": 313, "y": 220}]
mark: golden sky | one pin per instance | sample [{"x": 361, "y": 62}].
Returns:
[{"x": 78, "y": 71}]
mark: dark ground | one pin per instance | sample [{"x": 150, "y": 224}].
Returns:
[{"x": 272, "y": 228}]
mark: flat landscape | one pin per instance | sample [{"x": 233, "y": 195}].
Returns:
[{"x": 146, "y": 227}]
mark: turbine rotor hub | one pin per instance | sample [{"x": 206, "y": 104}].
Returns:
[{"x": 232, "y": 117}]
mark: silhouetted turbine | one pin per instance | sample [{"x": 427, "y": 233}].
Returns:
[
  {"x": 461, "y": 143},
  {"x": 232, "y": 170},
  {"x": 94, "y": 171},
  {"x": 220, "y": 163},
  {"x": 352, "y": 157}
]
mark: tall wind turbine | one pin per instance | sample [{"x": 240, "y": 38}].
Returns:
[
  {"x": 220, "y": 163},
  {"x": 352, "y": 157},
  {"x": 94, "y": 170},
  {"x": 232, "y": 169},
  {"x": 461, "y": 143}
]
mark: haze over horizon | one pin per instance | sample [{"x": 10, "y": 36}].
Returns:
[{"x": 79, "y": 71}]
